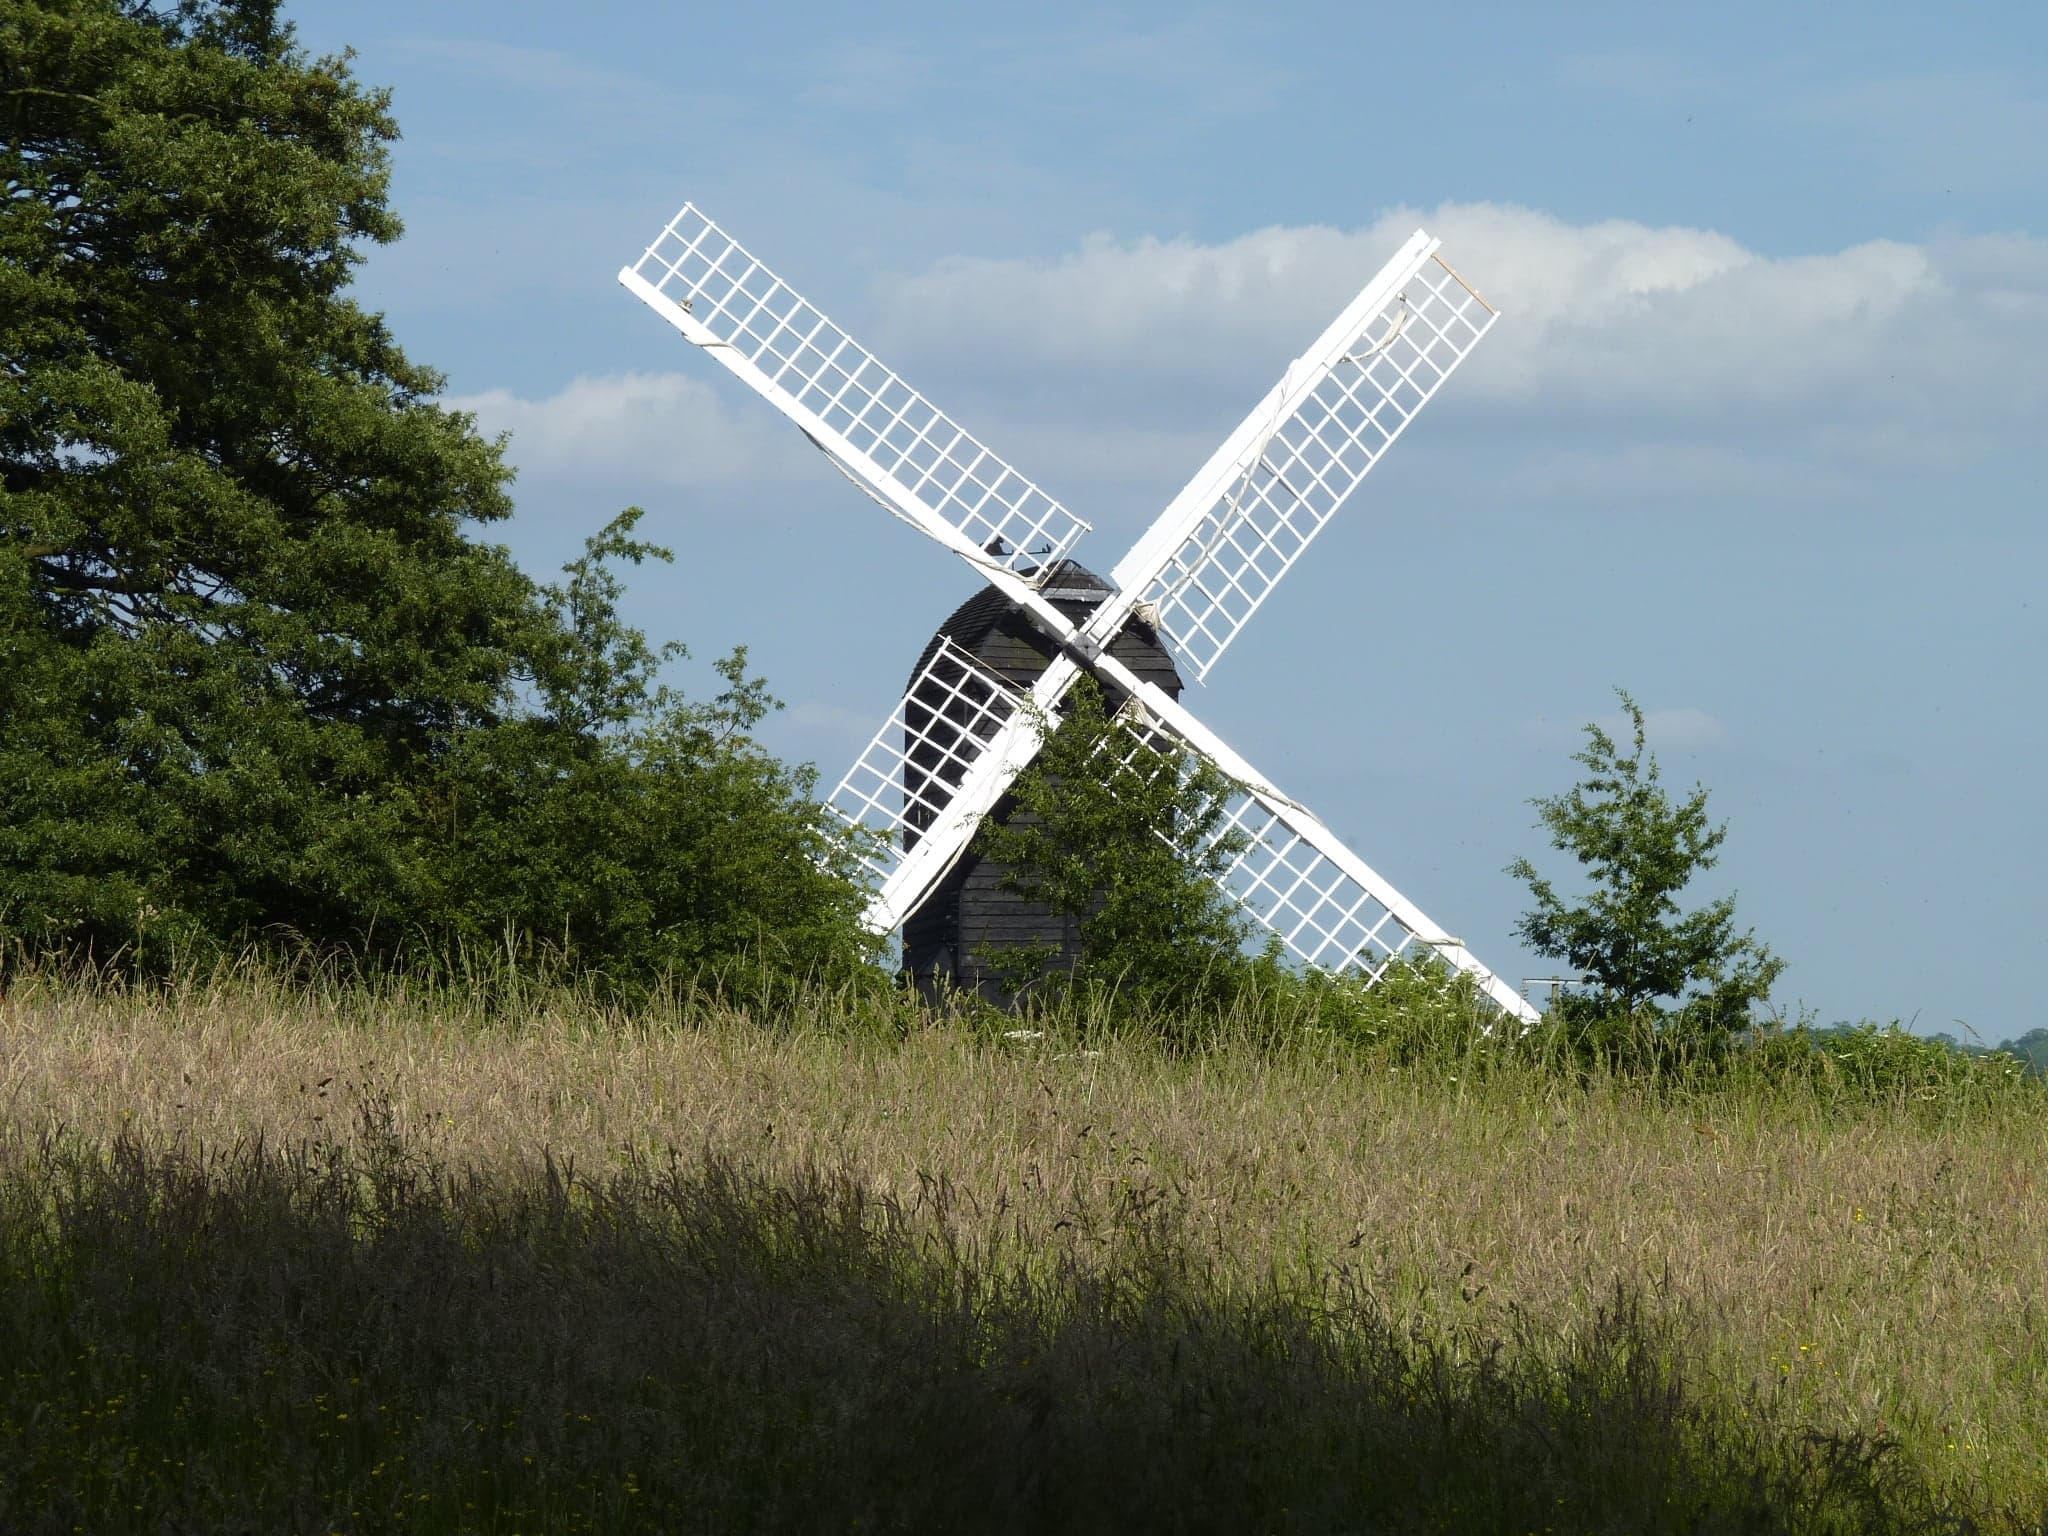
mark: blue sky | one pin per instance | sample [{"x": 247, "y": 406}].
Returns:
[{"x": 1756, "y": 437}]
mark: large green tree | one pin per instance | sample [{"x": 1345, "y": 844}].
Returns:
[
  {"x": 1645, "y": 956},
  {"x": 252, "y": 655}
]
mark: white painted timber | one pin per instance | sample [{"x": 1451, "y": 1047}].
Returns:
[
  {"x": 1216, "y": 553},
  {"x": 902, "y": 447}
]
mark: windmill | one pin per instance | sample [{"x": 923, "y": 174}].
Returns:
[{"x": 962, "y": 732}]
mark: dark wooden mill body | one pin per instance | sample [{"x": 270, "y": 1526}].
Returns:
[{"x": 962, "y": 935}]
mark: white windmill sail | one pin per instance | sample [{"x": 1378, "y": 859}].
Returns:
[
  {"x": 1326, "y": 905},
  {"x": 1221, "y": 546},
  {"x": 958, "y": 739},
  {"x": 888, "y": 437},
  {"x": 956, "y": 742},
  {"x": 940, "y": 761}
]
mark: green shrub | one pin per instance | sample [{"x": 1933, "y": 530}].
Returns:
[{"x": 1873, "y": 1063}]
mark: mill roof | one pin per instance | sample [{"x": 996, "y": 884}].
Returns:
[
  {"x": 1075, "y": 591},
  {"x": 969, "y": 625}
]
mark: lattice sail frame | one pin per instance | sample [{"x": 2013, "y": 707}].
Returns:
[
  {"x": 1323, "y": 916},
  {"x": 901, "y": 785},
  {"x": 723, "y": 298},
  {"x": 1244, "y": 522},
  {"x": 1327, "y": 907}
]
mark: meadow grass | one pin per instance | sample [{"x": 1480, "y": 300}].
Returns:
[{"x": 1831, "y": 1274}]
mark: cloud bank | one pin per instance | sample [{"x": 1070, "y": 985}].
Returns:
[
  {"x": 667, "y": 429},
  {"x": 1628, "y": 356},
  {"x": 1616, "y": 315}
]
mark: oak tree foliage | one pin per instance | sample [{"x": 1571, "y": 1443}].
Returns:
[{"x": 259, "y": 674}]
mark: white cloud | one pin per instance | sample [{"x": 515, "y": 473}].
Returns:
[
  {"x": 1614, "y": 317},
  {"x": 1149, "y": 306},
  {"x": 1630, "y": 361},
  {"x": 664, "y": 428}
]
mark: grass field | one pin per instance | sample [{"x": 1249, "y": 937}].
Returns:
[{"x": 1818, "y": 1277}]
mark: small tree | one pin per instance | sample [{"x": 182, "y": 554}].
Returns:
[
  {"x": 1640, "y": 849},
  {"x": 1123, "y": 835}
]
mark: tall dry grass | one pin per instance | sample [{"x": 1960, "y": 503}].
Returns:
[{"x": 1880, "y": 1266}]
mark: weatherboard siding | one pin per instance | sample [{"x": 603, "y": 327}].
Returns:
[{"x": 960, "y": 935}]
